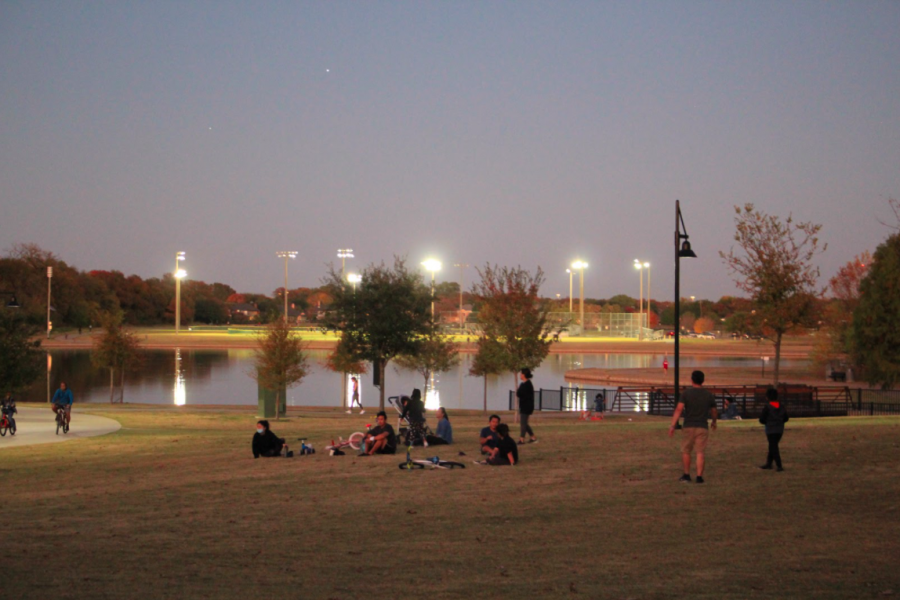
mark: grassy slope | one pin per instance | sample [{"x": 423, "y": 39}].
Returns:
[{"x": 173, "y": 506}]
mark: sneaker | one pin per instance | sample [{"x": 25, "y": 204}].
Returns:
[
  {"x": 479, "y": 462},
  {"x": 779, "y": 469},
  {"x": 290, "y": 454},
  {"x": 700, "y": 479},
  {"x": 685, "y": 479},
  {"x": 532, "y": 441},
  {"x": 521, "y": 442},
  {"x": 349, "y": 412},
  {"x": 362, "y": 412},
  {"x": 766, "y": 467}
]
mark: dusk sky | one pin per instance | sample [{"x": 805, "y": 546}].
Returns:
[{"x": 520, "y": 133}]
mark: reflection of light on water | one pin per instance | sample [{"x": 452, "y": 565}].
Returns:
[
  {"x": 432, "y": 396},
  {"x": 180, "y": 391}
]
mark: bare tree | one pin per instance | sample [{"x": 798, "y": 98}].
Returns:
[{"x": 774, "y": 265}]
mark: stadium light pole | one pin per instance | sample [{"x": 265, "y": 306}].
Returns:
[
  {"x": 569, "y": 271},
  {"x": 432, "y": 265},
  {"x": 462, "y": 279},
  {"x": 640, "y": 266},
  {"x": 581, "y": 266},
  {"x": 682, "y": 250},
  {"x": 49, "y": 280},
  {"x": 286, "y": 254},
  {"x": 179, "y": 275},
  {"x": 353, "y": 278},
  {"x": 344, "y": 254}
]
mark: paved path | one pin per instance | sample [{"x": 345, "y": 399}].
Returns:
[{"x": 38, "y": 426}]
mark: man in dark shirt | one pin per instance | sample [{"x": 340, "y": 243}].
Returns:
[
  {"x": 381, "y": 439},
  {"x": 696, "y": 403},
  {"x": 489, "y": 436},
  {"x": 506, "y": 452}
]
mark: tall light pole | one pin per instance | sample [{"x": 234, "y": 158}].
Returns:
[
  {"x": 432, "y": 265},
  {"x": 179, "y": 275},
  {"x": 286, "y": 254},
  {"x": 569, "y": 271},
  {"x": 354, "y": 279},
  {"x": 49, "y": 280},
  {"x": 640, "y": 266},
  {"x": 462, "y": 279},
  {"x": 682, "y": 250},
  {"x": 581, "y": 266},
  {"x": 343, "y": 254}
]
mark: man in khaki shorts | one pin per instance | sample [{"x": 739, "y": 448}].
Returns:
[{"x": 696, "y": 403}]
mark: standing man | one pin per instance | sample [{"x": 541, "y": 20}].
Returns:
[
  {"x": 62, "y": 400},
  {"x": 696, "y": 403},
  {"x": 525, "y": 394},
  {"x": 355, "y": 397}
]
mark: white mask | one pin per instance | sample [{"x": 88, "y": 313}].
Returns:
[{"x": 260, "y": 430}]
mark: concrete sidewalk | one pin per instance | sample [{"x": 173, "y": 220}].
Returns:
[{"x": 38, "y": 426}]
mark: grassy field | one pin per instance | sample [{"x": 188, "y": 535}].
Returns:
[{"x": 174, "y": 506}]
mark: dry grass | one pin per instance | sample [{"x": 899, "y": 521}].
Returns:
[{"x": 173, "y": 506}]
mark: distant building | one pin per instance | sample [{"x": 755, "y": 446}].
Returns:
[{"x": 242, "y": 311}]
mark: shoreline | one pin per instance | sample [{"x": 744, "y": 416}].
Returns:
[{"x": 153, "y": 340}]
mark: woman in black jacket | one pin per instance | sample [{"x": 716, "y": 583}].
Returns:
[
  {"x": 525, "y": 394},
  {"x": 773, "y": 416},
  {"x": 267, "y": 444}
]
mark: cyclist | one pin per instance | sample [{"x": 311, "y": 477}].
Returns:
[
  {"x": 9, "y": 409},
  {"x": 62, "y": 400}
]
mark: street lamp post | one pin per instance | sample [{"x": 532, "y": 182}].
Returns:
[
  {"x": 353, "y": 278},
  {"x": 286, "y": 254},
  {"x": 569, "y": 271},
  {"x": 343, "y": 254},
  {"x": 581, "y": 266},
  {"x": 179, "y": 275},
  {"x": 432, "y": 265},
  {"x": 462, "y": 278},
  {"x": 682, "y": 250},
  {"x": 640, "y": 266},
  {"x": 49, "y": 280}
]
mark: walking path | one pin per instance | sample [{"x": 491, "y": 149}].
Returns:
[{"x": 38, "y": 426}]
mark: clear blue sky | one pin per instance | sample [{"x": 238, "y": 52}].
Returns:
[{"x": 512, "y": 132}]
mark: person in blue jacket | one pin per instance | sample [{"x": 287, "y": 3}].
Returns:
[
  {"x": 444, "y": 429},
  {"x": 62, "y": 400}
]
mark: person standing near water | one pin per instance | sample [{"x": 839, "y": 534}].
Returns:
[
  {"x": 355, "y": 397},
  {"x": 525, "y": 394}
]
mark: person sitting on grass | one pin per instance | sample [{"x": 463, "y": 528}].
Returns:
[
  {"x": 267, "y": 444},
  {"x": 444, "y": 429},
  {"x": 489, "y": 438},
  {"x": 729, "y": 410},
  {"x": 506, "y": 452},
  {"x": 381, "y": 438}
]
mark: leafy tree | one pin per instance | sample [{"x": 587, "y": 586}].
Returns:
[
  {"x": 491, "y": 359},
  {"x": 435, "y": 354},
  {"x": 704, "y": 324},
  {"x": 513, "y": 318},
  {"x": 621, "y": 300},
  {"x": 281, "y": 360},
  {"x": 384, "y": 317},
  {"x": 210, "y": 310},
  {"x": 875, "y": 331},
  {"x": 21, "y": 358},
  {"x": 836, "y": 316},
  {"x": 116, "y": 350},
  {"x": 775, "y": 267}
]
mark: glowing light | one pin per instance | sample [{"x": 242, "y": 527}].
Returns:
[
  {"x": 180, "y": 274},
  {"x": 579, "y": 264},
  {"x": 432, "y": 265},
  {"x": 354, "y": 278}
]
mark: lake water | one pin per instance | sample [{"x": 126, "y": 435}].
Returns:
[{"x": 198, "y": 377}]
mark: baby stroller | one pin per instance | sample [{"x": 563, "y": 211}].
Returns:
[{"x": 411, "y": 425}]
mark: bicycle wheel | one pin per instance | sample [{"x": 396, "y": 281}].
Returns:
[
  {"x": 59, "y": 426},
  {"x": 356, "y": 440},
  {"x": 449, "y": 464},
  {"x": 65, "y": 427},
  {"x": 409, "y": 466},
  {"x": 3, "y": 429}
]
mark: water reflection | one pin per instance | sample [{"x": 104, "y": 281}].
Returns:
[{"x": 180, "y": 391}]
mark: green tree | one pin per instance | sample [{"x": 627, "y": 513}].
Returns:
[
  {"x": 116, "y": 350},
  {"x": 513, "y": 317},
  {"x": 491, "y": 359},
  {"x": 281, "y": 360},
  {"x": 875, "y": 330},
  {"x": 385, "y": 316},
  {"x": 435, "y": 354},
  {"x": 21, "y": 358},
  {"x": 775, "y": 267}
]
